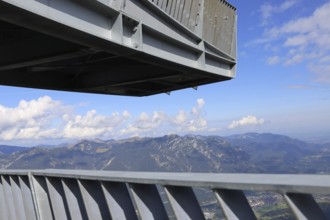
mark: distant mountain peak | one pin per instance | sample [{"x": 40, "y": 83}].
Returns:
[{"x": 249, "y": 152}]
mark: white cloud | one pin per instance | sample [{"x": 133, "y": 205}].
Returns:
[
  {"x": 92, "y": 124},
  {"x": 200, "y": 103},
  {"x": 273, "y": 60},
  {"x": 248, "y": 120},
  {"x": 192, "y": 122},
  {"x": 268, "y": 10},
  {"x": 29, "y": 119},
  {"x": 303, "y": 40},
  {"x": 159, "y": 122},
  {"x": 145, "y": 123},
  {"x": 180, "y": 118},
  {"x": 45, "y": 118}
]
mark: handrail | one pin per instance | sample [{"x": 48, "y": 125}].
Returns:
[{"x": 89, "y": 194}]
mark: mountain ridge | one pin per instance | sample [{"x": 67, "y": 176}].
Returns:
[{"x": 242, "y": 153}]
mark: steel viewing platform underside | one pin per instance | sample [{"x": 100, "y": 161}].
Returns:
[{"x": 122, "y": 47}]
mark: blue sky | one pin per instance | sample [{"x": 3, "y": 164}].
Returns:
[{"x": 282, "y": 86}]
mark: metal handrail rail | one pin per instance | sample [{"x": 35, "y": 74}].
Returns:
[{"x": 91, "y": 194}]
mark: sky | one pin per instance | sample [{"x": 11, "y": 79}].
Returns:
[{"x": 282, "y": 86}]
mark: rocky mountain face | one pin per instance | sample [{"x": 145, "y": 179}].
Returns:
[
  {"x": 281, "y": 154},
  {"x": 246, "y": 153}
]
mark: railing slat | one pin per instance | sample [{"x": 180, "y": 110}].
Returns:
[
  {"x": 119, "y": 200},
  {"x": 184, "y": 202},
  {"x": 303, "y": 206},
  {"x": 181, "y": 10},
  {"x": 168, "y": 6},
  {"x": 164, "y": 4},
  {"x": 27, "y": 198},
  {"x": 97, "y": 195},
  {"x": 42, "y": 197},
  {"x": 160, "y": 3},
  {"x": 8, "y": 197},
  {"x": 94, "y": 200},
  {"x": 186, "y": 12},
  {"x": 148, "y": 201},
  {"x": 74, "y": 199},
  {"x": 17, "y": 197},
  {"x": 57, "y": 198},
  {"x": 3, "y": 204},
  {"x": 234, "y": 204}
]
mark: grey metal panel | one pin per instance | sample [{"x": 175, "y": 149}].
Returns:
[
  {"x": 17, "y": 197},
  {"x": 186, "y": 12},
  {"x": 182, "y": 3},
  {"x": 304, "y": 206},
  {"x": 3, "y": 204},
  {"x": 57, "y": 198},
  {"x": 219, "y": 20},
  {"x": 119, "y": 201},
  {"x": 27, "y": 198},
  {"x": 177, "y": 8},
  {"x": 42, "y": 198},
  {"x": 192, "y": 21},
  {"x": 234, "y": 204},
  {"x": 160, "y": 3},
  {"x": 74, "y": 199},
  {"x": 168, "y": 6},
  {"x": 163, "y": 5},
  {"x": 9, "y": 200},
  {"x": 148, "y": 201},
  {"x": 173, "y": 6},
  {"x": 94, "y": 200},
  {"x": 184, "y": 202},
  {"x": 234, "y": 42}
]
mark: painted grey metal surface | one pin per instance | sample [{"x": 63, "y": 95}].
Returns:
[
  {"x": 83, "y": 194},
  {"x": 234, "y": 204},
  {"x": 304, "y": 206},
  {"x": 123, "y": 47}
]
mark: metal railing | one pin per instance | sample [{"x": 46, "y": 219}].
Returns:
[{"x": 88, "y": 194}]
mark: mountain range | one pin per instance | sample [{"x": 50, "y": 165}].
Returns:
[{"x": 242, "y": 153}]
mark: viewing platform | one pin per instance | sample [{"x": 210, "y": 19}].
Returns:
[
  {"x": 121, "y": 47},
  {"x": 130, "y": 48}
]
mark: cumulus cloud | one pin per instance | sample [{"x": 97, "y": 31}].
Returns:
[
  {"x": 200, "y": 103},
  {"x": 145, "y": 123},
  {"x": 248, "y": 120},
  {"x": 92, "y": 124},
  {"x": 268, "y": 10},
  {"x": 45, "y": 118},
  {"x": 30, "y": 119},
  {"x": 301, "y": 40},
  {"x": 158, "y": 122},
  {"x": 313, "y": 29},
  {"x": 193, "y": 121}
]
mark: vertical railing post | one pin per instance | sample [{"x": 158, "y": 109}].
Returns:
[
  {"x": 234, "y": 204},
  {"x": 303, "y": 206},
  {"x": 148, "y": 201},
  {"x": 184, "y": 202}
]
